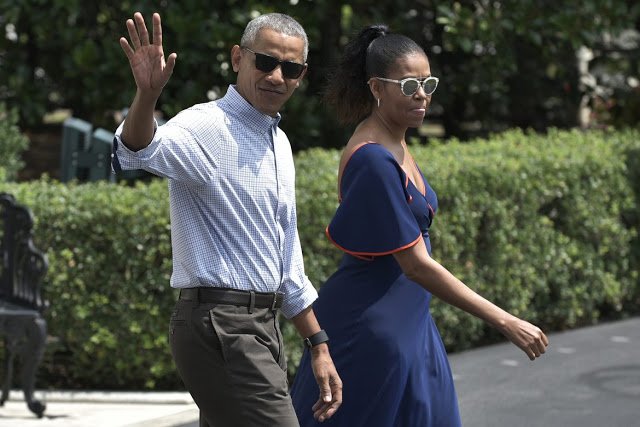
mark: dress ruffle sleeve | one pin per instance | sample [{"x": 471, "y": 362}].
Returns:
[{"x": 374, "y": 216}]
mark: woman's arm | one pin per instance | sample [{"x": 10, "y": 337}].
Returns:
[{"x": 419, "y": 267}]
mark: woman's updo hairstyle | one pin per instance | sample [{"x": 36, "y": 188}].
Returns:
[{"x": 371, "y": 53}]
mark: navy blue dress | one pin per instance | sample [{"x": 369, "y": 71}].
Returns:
[{"x": 384, "y": 343}]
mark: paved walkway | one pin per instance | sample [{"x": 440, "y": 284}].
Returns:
[
  {"x": 589, "y": 377},
  {"x": 103, "y": 409}
]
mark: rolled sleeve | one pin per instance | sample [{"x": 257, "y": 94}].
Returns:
[
  {"x": 126, "y": 159},
  {"x": 175, "y": 152},
  {"x": 299, "y": 291},
  {"x": 296, "y": 301}
]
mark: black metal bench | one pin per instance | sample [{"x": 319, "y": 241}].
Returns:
[{"x": 22, "y": 325}]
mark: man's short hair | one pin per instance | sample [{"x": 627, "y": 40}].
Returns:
[{"x": 279, "y": 22}]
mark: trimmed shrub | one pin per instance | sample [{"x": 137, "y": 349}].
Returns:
[
  {"x": 546, "y": 226},
  {"x": 109, "y": 256}
]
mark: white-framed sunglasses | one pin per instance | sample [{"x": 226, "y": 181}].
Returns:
[{"x": 409, "y": 86}]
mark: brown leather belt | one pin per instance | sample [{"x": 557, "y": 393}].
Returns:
[{"x": 272, "y": 300}]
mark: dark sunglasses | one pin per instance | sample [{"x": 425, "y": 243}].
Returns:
[
  {"x": 410, "y": 86},
  {"x": 267, "y": 63}
]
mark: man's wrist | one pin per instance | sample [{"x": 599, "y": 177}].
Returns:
[
  {"x": 316, "y": 339},
  {"x": 319, "y": 350}
]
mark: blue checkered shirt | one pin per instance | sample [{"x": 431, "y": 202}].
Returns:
[{"x": 232, "y": 199}]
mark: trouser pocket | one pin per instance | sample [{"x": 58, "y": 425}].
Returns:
[{"x": 229, "y": 361}]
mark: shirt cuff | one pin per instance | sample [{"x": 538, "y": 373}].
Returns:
[
  {"x": 294, "y": 303},
  {"x": 126, "y": 159}
]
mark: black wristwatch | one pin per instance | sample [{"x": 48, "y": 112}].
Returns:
[{"x": 315, "y": 339}]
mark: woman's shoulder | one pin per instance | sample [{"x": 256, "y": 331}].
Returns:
[
  {"x": 365, "y": 147},
  {"x": 364, "y": 153}
]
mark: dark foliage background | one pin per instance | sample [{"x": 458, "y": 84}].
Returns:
[{"x": 502, "y": 64}]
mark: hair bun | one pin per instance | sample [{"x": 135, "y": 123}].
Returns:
[
  {"x": 372, "y": 32},
  {"x": 380, "y": 29}
]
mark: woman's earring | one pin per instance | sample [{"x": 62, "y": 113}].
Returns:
[{"x": 378, "y": 102}]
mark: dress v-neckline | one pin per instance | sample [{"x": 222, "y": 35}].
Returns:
[{"x": 362, "y": 144}]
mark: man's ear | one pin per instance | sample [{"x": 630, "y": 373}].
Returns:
[
  {"x": 236, "y": 56},
  {"x": 306, "y": 67}
]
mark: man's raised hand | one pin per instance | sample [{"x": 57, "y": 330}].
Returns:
[{"x": 146, "y": 57}]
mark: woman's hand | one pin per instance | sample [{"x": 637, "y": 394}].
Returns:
[{"x": 529, "y": 338}]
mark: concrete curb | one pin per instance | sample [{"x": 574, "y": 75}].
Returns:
[
  {"x": 99, "y": 408},
  {"x": 163, "y": 398}
]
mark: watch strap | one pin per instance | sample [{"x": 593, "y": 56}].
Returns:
[{"x": 315, "y": 339}]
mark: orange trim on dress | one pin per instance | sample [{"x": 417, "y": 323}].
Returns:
[{"x": 368, "y": 256}]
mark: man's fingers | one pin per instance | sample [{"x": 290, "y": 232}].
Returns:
[
  {"x": 320, "y": 413},
  {"x": 337, "y": 393},
  {"x": 133, "y": 33},
  {"x": 124, "y": 44},
  {"x": 157, "y": 30},
  {"x": 325, "y": 390},
  {"x": 330, "y": 399},
  {"x": 171, "y": 63},
  {"x": 330, "y": 411},
  {"x": 323, "y": 411},
  {"x": 142, "y": 29}
]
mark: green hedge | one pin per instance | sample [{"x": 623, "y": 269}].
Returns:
[
  {"x": 544, "y": 225},
  {"x": 109, "y": 256}
]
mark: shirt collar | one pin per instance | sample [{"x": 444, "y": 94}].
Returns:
[{"x": 254, "y": 118}]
